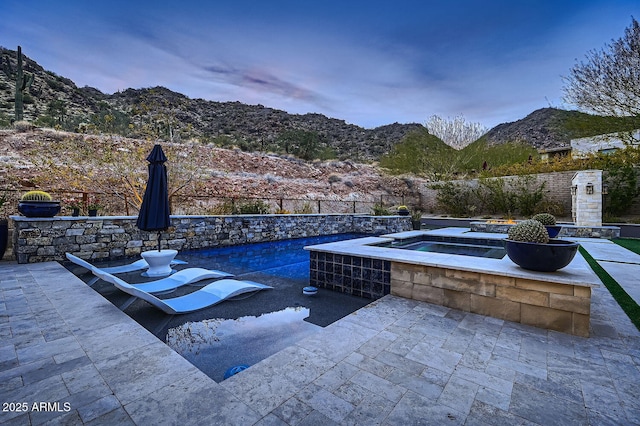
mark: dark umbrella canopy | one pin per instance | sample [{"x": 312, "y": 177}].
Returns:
[{"x": 154, "y": 211}]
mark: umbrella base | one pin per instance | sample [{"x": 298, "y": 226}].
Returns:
[{"x": 159, "y": 262}]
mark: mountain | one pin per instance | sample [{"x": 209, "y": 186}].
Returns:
[
  {"x": 553, "y": 128},
  {"x": 55, "y": 101},
  {"x": 159, "y": 113}
]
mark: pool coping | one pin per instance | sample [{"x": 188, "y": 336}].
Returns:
[{"x": 577, "y": 273}]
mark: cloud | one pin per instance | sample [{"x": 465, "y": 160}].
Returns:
[{"x": 261, "y": 80}]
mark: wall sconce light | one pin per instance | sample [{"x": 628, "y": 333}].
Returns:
[
  {"x": 574, "y": 189},
  {"x": 605, "y": 189},
  {"x": 589, "y": 188}
]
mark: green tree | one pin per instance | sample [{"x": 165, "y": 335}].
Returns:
[
  {"x": 302, "y": 143},
  {"x": 422, "y": 154},
  {"x": 57, "y": 110},
  {"x": 622, "y": 182}
]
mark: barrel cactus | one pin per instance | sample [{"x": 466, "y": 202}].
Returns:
[
  {"x": 36, "y": 196},
  {"x": 545, "y": 219},
  {"x": 530, "y": 231}
]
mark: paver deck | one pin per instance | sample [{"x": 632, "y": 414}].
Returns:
[{"x": 396, "y": 361}]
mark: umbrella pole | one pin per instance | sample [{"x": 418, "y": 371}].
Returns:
[{"x": 159, "y": 241}]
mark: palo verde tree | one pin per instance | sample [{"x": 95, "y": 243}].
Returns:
[
  {"x": 305, "y": 144},
  {"x": 608, "y": 82}
]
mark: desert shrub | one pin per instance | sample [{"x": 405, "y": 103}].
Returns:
[
  {"x": 496, "y": 196},
  {"x": 223, "y": 209},
  {"x": 250, "y": 207},
  {"x": 622, "y": 182},
  {"x": 528, "y": 194},
  {"x": 305, "y": 209},
  {"x": 549, "y": 206},
  {"x": 380, "y": 210},
  {"x": 23, "y": 126},
  {"x": 609, "y": 218},
  {"x": 5, "y": 120},
  {"x": 455, "y": 198},
  {"x": 334, "y": 178}
]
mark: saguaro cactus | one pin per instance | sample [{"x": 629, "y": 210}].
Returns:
[{"x": 23, "y": 81}]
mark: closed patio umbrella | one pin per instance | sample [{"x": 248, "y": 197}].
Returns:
[{"x": 154, "y": 211}]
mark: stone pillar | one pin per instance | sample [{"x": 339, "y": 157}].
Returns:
[{"x": 586, "y": 198}]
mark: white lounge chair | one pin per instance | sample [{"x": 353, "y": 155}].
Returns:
[
  {"x": 205, "y": 297},
  {"x": 180, "y": 278},
  {"x": 131, "y": 267}
]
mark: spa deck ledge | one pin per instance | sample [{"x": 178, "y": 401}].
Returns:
[{"x": 577, "y": 273}]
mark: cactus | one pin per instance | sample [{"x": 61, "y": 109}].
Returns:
[
  {"x": 530, "y": 231},
  {"x": 23, "y": 81},
  {"x": 36, "y": 196},
  {"x": 545, "y": 219}
]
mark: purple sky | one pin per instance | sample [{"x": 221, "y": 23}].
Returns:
[{"x": 367, "y": 62}]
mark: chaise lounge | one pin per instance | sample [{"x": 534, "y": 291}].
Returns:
[
  {"x": 138, "y": 265},
  {"x": 180, "y": 278},
  {"x": 205, "y": 297}
]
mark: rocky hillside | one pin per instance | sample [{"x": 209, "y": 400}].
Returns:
[
  {"x": 55, "y": 101},
  {"x": 62, "y": 162},
  {"x": 553, "y": 128}
]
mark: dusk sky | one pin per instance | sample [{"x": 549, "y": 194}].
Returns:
[{"x": 369, "y": 63}]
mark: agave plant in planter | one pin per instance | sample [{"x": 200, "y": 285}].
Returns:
[
  {"x": 528, "y": 245},
  {"x": 549, "y": 222},
  {"x": 38, "y": 204}
]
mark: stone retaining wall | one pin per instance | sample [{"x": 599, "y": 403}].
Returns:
[{"x": 115, "y": 237}]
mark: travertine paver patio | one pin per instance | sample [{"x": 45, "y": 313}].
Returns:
[{"x": 395, "y": 361}]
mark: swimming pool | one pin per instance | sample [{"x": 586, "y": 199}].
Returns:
[
  {"x": 252, "y": 327},
  {"x": 476, "y": 247}
]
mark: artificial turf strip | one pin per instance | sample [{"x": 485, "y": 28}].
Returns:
[
  {"x": 628, "y": 305},
  {"x": 632, "y": 244}
]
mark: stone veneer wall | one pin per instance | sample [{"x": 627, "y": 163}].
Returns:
[
  {"x": 561, "y": 307},
  {"x": 608, "y": 232},
  {"x": 114, "y": 237}
]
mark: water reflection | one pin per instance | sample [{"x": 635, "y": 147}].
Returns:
[{"x": 215, "y": 345}]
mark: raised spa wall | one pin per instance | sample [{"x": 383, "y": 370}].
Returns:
[
  {"x": 559, "y": 301},
  {"x": 115, "y": 237},
  {"x": 556, "y": 306}
]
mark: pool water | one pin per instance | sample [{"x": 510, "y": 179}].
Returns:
[
  {"x": 460, "y": 246},
  {"x": 212, "y": 345},
  {"x": 251, "y": 327}
]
